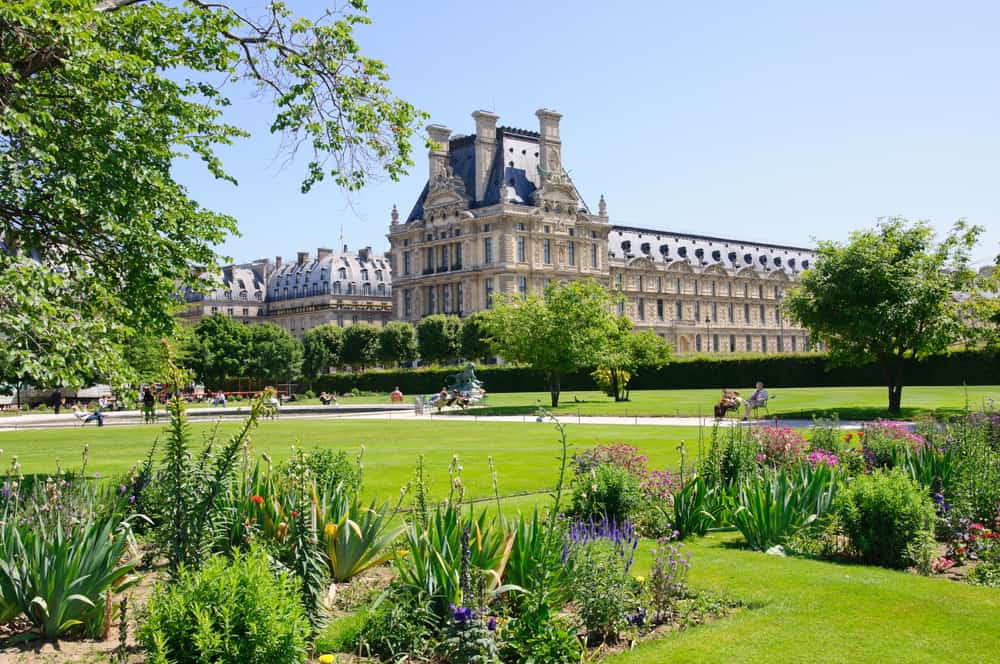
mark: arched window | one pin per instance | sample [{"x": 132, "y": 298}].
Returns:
[
  {"x": 351, "y": 290},
  {"x": 366, "y": 288},
  {"x": 258, "y": 296},
  {"x": 342, "y": 273},
  {"x": 364, "y": 275},
  {"x": 336, "y": 288},
  {"x": 229, "y": 295},
  {"x": 243, "y": 295},
  {"x": 326, "y": 287},
  {"x": 378, "y": 275},
  {"x": 381, "y": 289},
  {"x": 285, "y": 296}
]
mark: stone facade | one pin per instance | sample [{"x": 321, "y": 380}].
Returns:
[
  {"x": 331, "y": 287},
  {"x": 499, "y": 214}
]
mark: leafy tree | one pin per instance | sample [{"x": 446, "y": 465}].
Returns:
[
  {"x": 361, "y": 345},
  {"x": 474, "y": 337},
  {"x": 321, "y": 349},
  {"x": 274, "y": 354},
  {"x": 558, "y": 332},
  {"x": 221, "y": 349},
  {"x": 397, "y": 343},
  {"x": 439, "y": 338},
  {"x": 625, "y": 352},
  {"x": 97, "y": 99},
  {"x": 888, "y": 295}
]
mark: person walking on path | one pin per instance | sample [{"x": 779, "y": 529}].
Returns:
[{"x": 57, "y": 400}]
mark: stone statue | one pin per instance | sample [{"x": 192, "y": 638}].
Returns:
[{"x": 466, "y": 383}]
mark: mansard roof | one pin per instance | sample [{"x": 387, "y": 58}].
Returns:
[
  {"x": 628, "y": 242},
  {"x": 515, "y": 164}
]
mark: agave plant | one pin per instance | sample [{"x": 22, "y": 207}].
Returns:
[
  {"x": 8, "y": 540},
  {"x": 354, "y": 537},
  {"x": 928, "y": 464},
  {"x": 432, "y": 564},
  {"x": 59, "y": 578},
  {"x": 776, "y": 505}
]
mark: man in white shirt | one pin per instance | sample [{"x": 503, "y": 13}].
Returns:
[{"x": 757, "y": 399}]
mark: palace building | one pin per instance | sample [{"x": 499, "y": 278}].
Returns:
[
  {"x": 343, "y": 288},
  {"x": 499, "y": 214}
]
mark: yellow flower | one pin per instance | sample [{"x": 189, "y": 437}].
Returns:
[
  {"x": 640, "y": 579},
  {"x": 330, "y": 530},
  {"x": 326, "y": 659}
]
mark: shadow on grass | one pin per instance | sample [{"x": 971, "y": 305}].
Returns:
[{"x": 867, "y": 413}]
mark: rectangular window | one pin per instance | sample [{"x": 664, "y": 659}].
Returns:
[
  {"x": 593, "y": 255},
  {"x": 571, "y": 253},
  {"x": 638, "y": 283},
  {"x": 697, "y": 312},
  {"x": 746, "y": 290},
  {"x": 677, "y": 286},
  {"x": 547, "y": 251},
  {"x": 429, "y": 261},
  {"x": 781, "y": 344},
  {"x": 642, "y": 309},
  {"x": 520, "y": 226},
  {"x": 697, "y": 342},
  {"x": 229, "y": 311},
  {"x": 695, "y": 286},
  {"x": 458, "y": 255},
  {"x": 746, "y": 314},
  {"x": 446, "y": 299},
  {"x": 732, "y": 343},
  {"x": 760, "y": 292},
  {"x": 407, "y": 303},
  {"x": 659, "y": 284},
  {"x": 678, "y": 311},
  {"x": 246, "y": 312},
  {"x": 488, "y": 250},
  {"x": 749, "y": 344},
  {"x": 713, "y": 288},
  {"x": 794, "y": 339},
  {"x": 763, "y": 344},
  {"x": 520, "y": 248},
  {"x": 729, "y": 308},
  {"x": 215, "y": 310},
  {"x": 522, "y": 286},
  {"x": 621, "y": 306},
  {"x": 730, "y": 287},
  {"x": 406, "y": 262},
  {"x": 659, "y": 309},
  {"x": 340, "y": 321},
  {"x": 444, "y": 256},
  {"x": 763, "y": 316},
  {"x": 458, "y": 298},
  {"x": 715, "y": 312},
  {"x": 618, "y": 281},
  {"x": 432, "y": 299},
  {"x": 489, "y": 293},
  {"x": 715, "y": 343}
]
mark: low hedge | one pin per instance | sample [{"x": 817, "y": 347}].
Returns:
[{"x": 807, "y": 370}]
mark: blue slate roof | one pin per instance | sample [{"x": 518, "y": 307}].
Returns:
[{"x": 515, "y": 164}]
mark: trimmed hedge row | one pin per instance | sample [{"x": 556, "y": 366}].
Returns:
[{"x": 970, "y": 367}]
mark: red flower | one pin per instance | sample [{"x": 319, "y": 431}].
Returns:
[
  {"x": 847, "y": 437},
  {"x": 861, "y": 434},
  {"x": 294, "y": 513},
  {"x": 257, "y": 500}
]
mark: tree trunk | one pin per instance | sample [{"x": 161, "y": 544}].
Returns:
[
  {"x": 895, "y": 398},
  {"x": 554, "y": 388}
]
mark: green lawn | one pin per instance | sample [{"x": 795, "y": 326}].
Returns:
[
  {"x": 814, "y": 611},
  {"x": 524, "y": 454},
  {"x": 802, "y": 402}
]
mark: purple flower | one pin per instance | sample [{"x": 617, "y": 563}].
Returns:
[
  {"x": 121, "y": 488},
  {"x": 461, "y": 614},
  {"x": 491, "y": 624},
  {"x": 131, "y": 500}
]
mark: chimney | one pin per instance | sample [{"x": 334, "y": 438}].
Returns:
[
  {"x": 439, "y": 135},
  {"x": 345, "y": 249},
  {"x": 302, "y": 257},
  {"x": 549, "y": 145},
  {"x": 277, "y": 262},
  {"x": 322, "y": 253},
  {"x": 486, "y": 148},
  {"x": 365, "y": 253}
]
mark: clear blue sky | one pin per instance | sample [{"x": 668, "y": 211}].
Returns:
[{"x": 772, "y": 121}]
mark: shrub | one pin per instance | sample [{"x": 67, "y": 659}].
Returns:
[
  {"x": 975, "y": 490},
  {"x": 887, "y": 443},
  {"x": 59, "y": 577},
  {"x": 310, "y": 394},
  {"x": 328, "y": 468},
  {"x": 731, "y": 458},
  {"x": 774, "y": 507},
  {"x": 231, "y": 610},
  {"x": 552, "y": 641},
  {"x": 607, "y": 490},
  {"x": 397, "y": 625},
  {"x": 779, "y": 446},
  {"x": 883, "y": 514},
  {"x": 601, "y": 589}
]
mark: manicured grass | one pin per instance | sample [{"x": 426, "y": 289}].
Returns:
[
  {"x": 814, "y": 611},
  {"x": 863, "y": 403},
  {"x": 525, "y": 455}
]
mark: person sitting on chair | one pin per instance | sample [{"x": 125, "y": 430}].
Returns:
[
  {"x": 396, "y": 396},
  {"x": 84, "y": 416},
  {"x": 730, "y": 401},
  {"x": 756, "y": 400}
]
